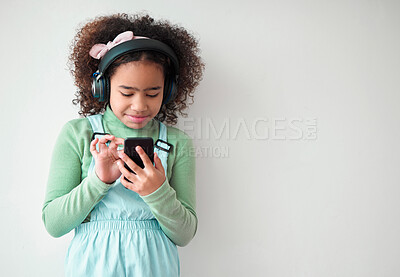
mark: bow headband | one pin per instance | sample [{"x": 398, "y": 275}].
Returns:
[{"x": 99, "y": 50}]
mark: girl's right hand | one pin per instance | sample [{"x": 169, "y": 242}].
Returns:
[{"x": 106, "y": 158}]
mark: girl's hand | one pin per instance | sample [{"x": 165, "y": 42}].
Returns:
[
  {"x": 147, "y": 179},
  {"x": 106, "y": 158}
]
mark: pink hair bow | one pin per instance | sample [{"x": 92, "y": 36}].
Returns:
[{"x": 99, "y": 50}]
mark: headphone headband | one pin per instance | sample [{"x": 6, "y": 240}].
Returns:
[{"x": 136, "y": 45}]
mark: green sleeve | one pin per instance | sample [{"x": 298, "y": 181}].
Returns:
[
  {"x": 69, "y": 199},
  {"x": 173, "y": 204}
]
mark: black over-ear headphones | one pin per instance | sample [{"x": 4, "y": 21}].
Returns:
[{"x": 101, "y": 83}]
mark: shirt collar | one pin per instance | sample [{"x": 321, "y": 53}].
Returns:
[{"x": 115, "y": 126}]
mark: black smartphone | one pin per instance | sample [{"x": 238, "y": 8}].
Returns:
[{"x": 129, "y": 149}]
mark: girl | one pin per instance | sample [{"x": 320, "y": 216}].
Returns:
[{"x": 133, "y": 73}]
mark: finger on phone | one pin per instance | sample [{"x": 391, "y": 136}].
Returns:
[
  {"x": 131, "y": 164},
  {"x": 143, "y": 156}
]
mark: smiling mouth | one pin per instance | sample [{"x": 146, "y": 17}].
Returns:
[{"x": 136, "y": 119}]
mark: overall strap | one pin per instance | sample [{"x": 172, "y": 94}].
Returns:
[
  {"x": 96, "y": 122},
  {"x": 97, "y": 126},
  {"x": 163, "y": 154}
]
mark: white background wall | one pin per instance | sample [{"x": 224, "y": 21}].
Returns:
[{"x": 302, "y": 94}]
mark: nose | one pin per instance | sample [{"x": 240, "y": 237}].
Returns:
[{"x": 139, "y": 103}]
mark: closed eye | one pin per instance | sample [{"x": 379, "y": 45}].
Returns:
[
  {"x": 123, "y": 94},
  {"x": 149, "y": 95}
]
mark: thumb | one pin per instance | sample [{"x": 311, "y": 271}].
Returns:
[{"x": 157, "y": 163}]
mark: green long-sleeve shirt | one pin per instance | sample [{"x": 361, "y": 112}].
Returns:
[{"x": 72, "y": 193}]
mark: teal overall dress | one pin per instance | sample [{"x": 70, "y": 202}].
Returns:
[{"x": 123, "y": 238}]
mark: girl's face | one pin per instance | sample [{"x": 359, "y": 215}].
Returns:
[{"x": 136, "y": 92}]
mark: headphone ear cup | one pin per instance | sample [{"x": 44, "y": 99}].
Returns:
[
  {"x": 100, "y": 87},
  {"x": 170, "y": 90},
  {"x": 96, "y": 89}
]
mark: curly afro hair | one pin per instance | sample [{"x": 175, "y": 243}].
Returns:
[{"x": 105, "y": 28}]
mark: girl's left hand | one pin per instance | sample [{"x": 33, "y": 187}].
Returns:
[{"x": 147, "y": 179}]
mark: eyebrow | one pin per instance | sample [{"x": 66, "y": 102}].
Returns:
[{"x": 136, "y": 89}]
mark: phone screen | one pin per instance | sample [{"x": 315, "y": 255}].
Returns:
[{"x": 129, "y": 148}]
